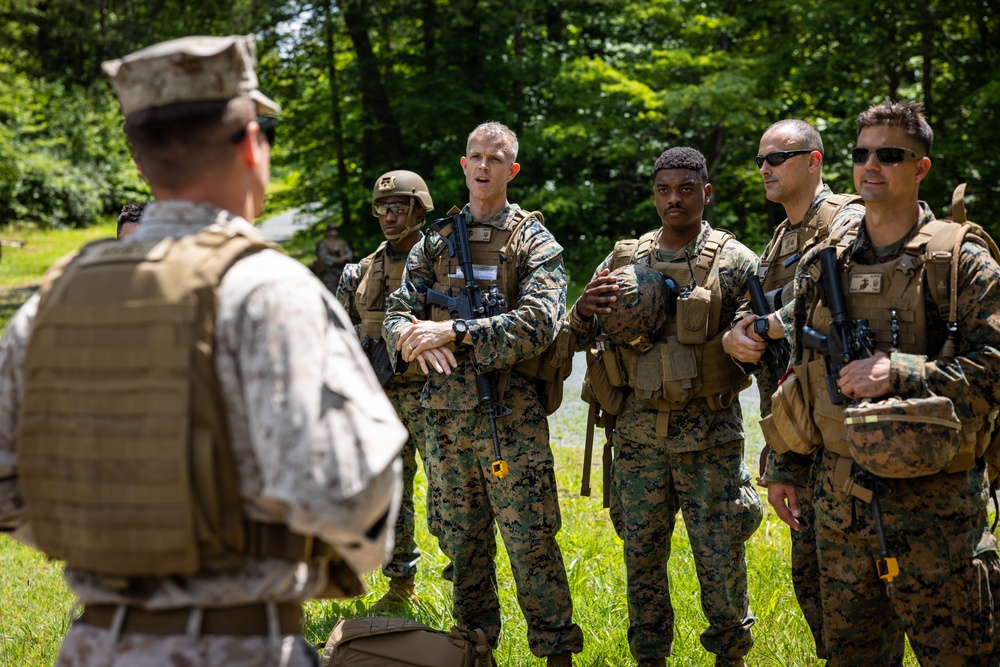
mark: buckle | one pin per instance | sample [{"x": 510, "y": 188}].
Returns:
[{"x": 641, "y": 344}]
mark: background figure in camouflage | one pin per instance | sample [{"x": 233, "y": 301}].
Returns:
[
  {"x": 688, "y": 459},
  {"x": 790, "y": 162},
  {"x": 312, "y": 440},
  {"x": 945, "y": 597},
  {"x": 332, "y": 255},
  {"x": 400, "y": 201},
  {"x": 524, "y": 504}
]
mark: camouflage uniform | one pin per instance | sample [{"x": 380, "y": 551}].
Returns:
[
  {"x": 698, "y": 469},
  {"x": 404, "y": 393},
  {"x": 524, "y": 504},
  {"x": 282, "y": 342},
  {"x": 328, "y": 267},
  {"x": 946, "y": 597},
  {"x": 805, "y": 568}
]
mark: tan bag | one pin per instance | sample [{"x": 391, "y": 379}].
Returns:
[
  {"x": 400, "y": 642},
  {"x": 597, "y": 384},
  {"x": 790, "y": 427},
  {"x": 550, "y": 369},
  {"x": 900, "y": 438}
]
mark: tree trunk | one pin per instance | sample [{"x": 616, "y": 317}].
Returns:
[
  {"x": 374, "y": 99},
  {"x": 338, "y": 122}
]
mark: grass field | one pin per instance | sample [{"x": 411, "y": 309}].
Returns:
[{"x": 35, "y": 604}]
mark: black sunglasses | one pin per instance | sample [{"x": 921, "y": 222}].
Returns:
[
  {"x": 268, "y": 125},
  {"x": 885, "y": 154},
  {"x": 779, "y": 157}
]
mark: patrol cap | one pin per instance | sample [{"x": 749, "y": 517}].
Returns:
[
  {"x": 638, "y": 317},
  {"x": 189, "y": 69}
]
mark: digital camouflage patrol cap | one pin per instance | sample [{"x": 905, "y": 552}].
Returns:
[
  {"x": 639, "y": 316},
  {"x": 189, "y": 69}
]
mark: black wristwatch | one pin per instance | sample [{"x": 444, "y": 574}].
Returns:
[
  {"x": 761, "y": 326},
  {"x": 460, "y": 327}
]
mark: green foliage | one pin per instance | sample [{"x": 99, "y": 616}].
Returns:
[{"x": 595, "y": 89}]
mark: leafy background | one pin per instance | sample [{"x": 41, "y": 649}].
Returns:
[{"x": 596, "y": 90}]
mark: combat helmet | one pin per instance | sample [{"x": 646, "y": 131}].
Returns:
[
  {"x": 407, "y": 184},
  {"x": 646, "y": 299}
]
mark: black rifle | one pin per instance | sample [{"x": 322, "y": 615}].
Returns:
[
  {"x": 378, "y": 356},
  {"x": 470, "y": 304},
  {"x": 849, "y": 340},
  {"x": 778, "y": 351}
]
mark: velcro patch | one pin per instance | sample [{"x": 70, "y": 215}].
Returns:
[
  {"x": 480, "y": 234},
  {"x": 866, "y": 283},
  {"x": 789, "y": 243}
]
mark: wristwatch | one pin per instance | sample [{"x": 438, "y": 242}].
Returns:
[
  {"x": 761, "y": 326},
  {"x": 460, "y": 327}
]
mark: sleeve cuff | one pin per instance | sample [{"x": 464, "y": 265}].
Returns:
[
  {"x": 788, "y": 468},
  {"x": 908, "y": 374}
]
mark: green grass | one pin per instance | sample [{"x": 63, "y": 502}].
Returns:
[
  {"x": 35, "y": 604},
  {"x": 22, "y": 268}
]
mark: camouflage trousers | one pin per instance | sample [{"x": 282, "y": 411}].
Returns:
[
  {"x": 88, "y": 646},
  {"x": 525, "y": 508},
  {"x": 713, "y": 491},
  {"x": 946, "y": 598},
  {"x": 805, "y": 569},
  {"x": 405, "y": 397}
]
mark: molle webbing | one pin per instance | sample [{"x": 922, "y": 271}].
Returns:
[
  {"x": 814, "y": 230},
  {"x": 380, "y": 276},
  {"x": 670, "y": 375},
  {"x": 124, "y": 450},
  {"x": 491, "y": 247},
  {"x": 934, "y": 251}
]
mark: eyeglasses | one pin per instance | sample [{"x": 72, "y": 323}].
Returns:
[
  {"x": 396, "y": 207},
  {"x": 885, "y": 154},
  {"x": 779, "y": 157},
  {"x": 268, "y": 125}
]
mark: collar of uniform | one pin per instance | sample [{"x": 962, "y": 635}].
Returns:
[
  {"x": 820, "y": 197},
  {"x": 694, "y": 246},
  {"x": 864, "y": 253},
  {"x": 501, "y": 220},
  {"x": 401, "y": 255},
  {"x": 176, "y": 218}
]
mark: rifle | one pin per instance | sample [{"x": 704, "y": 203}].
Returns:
[
  {"x": 470, "y": 304},
  {"x": 849, "y": 340},
  {"x": 778, "y": 352},
  {"x": 378, "y": 356}
]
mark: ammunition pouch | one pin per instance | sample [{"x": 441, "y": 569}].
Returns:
[
  {"x": 671, "y": 374},
  {"x": 693, "y": 313}
]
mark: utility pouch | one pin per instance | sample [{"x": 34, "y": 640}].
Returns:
[
  {"x": 613, "y": 367},
  {"x": 596, "y": 384},
  {"x": 790, "y": 427},
  {"x": 693, "y": 312},
  {"x": 901, "y": 438},
  {"x": 648, "y": 379}
]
